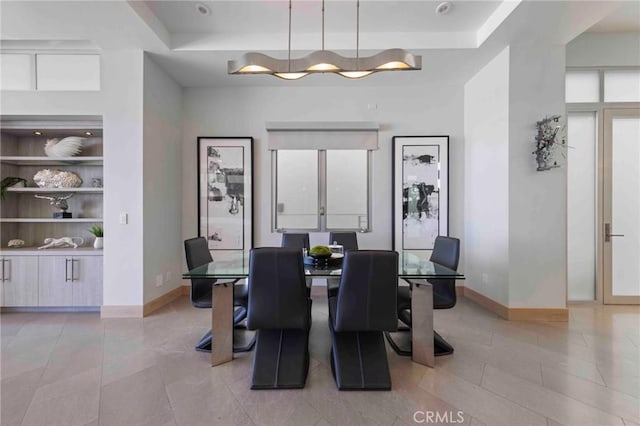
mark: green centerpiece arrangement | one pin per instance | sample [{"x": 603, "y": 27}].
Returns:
[{"x": 320, "y": 252}]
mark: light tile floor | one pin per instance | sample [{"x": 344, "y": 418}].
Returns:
[{"x": 76, "y": 369}]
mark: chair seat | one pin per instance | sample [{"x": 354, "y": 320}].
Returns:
[
  {"x": 441, "y": 298},
  {"x": 240, "y": 294},
  {"x": 203, "y": 299},
  {"x": 240, "y": 297}
]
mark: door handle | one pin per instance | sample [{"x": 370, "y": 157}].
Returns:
[{"x": 608, "y": 234}]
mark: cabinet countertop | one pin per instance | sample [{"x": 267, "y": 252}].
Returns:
[{"x": 33, "y": 251}]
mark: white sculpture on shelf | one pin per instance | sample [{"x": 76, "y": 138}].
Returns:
[
  {"x": 67, "y": 147},
  {"x": 15, "y": 243},
  {"x": 46, "y": 178},
  {"x": 62, "y": 242}
]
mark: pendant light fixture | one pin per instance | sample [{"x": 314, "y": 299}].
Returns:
[{"x": 326, "y": 61}]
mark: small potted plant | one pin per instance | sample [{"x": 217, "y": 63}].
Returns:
[{"x": 97, "y": 231}]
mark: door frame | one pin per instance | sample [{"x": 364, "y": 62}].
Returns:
[{"x": 605, "y": 206}]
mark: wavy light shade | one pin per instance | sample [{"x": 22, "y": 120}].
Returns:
[{"x": 323, "y": 61}]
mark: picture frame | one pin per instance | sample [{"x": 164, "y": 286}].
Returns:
[
  {"x": 226, "y": 192},
  {"x": 420, "y": 182}
]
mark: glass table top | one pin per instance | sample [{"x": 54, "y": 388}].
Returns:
[{"x": 236, "y": 265}]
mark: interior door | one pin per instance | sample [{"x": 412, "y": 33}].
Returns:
[{"x": 621, "y": 206}]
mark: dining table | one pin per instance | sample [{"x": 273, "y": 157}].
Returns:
[{"x": 231, "y": 266}]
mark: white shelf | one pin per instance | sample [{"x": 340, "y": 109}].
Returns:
[
  {"x": 34, "y": 190},
  {"x": 47, "y": 220},
  {"x": 51, "y": 161}
]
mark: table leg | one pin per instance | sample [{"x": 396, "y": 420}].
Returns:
[
  {"x": 422, "y": 325},
  {"x": 222, "y": 324}
]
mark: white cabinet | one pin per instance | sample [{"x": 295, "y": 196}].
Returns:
[
  {"x": 70, "y": 280},
  {"x": 87, "y": 281},
  {"x": 19, "y": 280}
]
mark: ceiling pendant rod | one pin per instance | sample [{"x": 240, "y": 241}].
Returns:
[
  {"x": 322, "y": 24},
  {"x": 358, "y": 34},
  {"x": 289, "y": 56}
]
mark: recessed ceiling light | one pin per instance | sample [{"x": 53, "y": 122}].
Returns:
[
  {"x": 37, "y": 133},
  {"x": 444, "y": 8},
  {"x": 88, "y": 133},
  {"x": 203, "y": 9}
]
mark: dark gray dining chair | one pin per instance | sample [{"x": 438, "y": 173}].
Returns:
[
  {"x": 299, "y": 241},
  {"x": 197, "y": 254},
  {"x": 295, "y": 240},
  {"x": 349, "y": 241},
  {"x": 363, "y": 308},
  {"x": 446, "y": 252},
  {"x": 280, "y": 311}
]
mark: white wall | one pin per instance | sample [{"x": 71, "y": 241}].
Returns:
[
  {"x": 537, "y": 200},
  {"x": 120, "y": 104},
  {"x": 604, "y": 49},
  {"x": 516, "y": 235},
  {"x": 433, "y": 108},
  {"x": 162, "y": 176},
  {"x": 486, "y": 162}
]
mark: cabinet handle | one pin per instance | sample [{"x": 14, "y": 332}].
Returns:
[
  {"x": 74, "y": 272},
  {"x": 66, "y": 270},
  {"x": 4, "y": 277}
]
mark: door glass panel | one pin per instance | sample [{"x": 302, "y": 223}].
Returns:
[
  {"x": 625, "y": 206},
  {"x": 347, "y": 189},
  {"x": 297, "y": 189},
  {"x": 581, "y": 206}
]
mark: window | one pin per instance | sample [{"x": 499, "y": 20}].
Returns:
[
  {"x": 622, "y": 86},
  {"x": 321, "y": 190},
  {"x": 602, "y": 85},
  {"x": 582, "y": 86}
]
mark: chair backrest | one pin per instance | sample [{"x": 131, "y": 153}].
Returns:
[
  {"x": 197, "y": 253},
  {"x": 368, "y": 291},
  {"x": 446, "y": 252},
  {"x": 295, "y": 240},
  {"x": 348, "y": 240},
  {"x": 277, "y": 289}
]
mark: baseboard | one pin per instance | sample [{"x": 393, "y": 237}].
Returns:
[
  {"x": 485, "y": 302},
  {"x": 163, "y": 300},
  {"x": 121, "y": 311},
  {"x": 539, "y": 314},
  {"x": 516, "y": 314}
]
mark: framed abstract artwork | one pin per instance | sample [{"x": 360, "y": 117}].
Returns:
[
  {"x": 420, "y": 173},
  {"x": 225, "y": 192}
]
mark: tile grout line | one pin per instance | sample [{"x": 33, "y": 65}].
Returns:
[
  {"x": 516, "y": 403},
  {"x": 104, "y": 335},
  {"x": 589, "y": 404},
  {"x": 44, "y": 369}
]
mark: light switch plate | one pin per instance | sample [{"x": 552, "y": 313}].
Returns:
[{"x": 124, "y": 218}]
